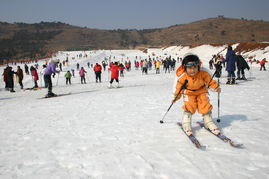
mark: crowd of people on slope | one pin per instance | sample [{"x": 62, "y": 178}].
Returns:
[
  {"x": 145, "y": 65},
  {"x": 49, "y": 71},
  {"x": 231, "y": 62}
]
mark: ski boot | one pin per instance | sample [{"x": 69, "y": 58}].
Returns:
[
  {"x": 228, "y": 82},
  {"x": 186, "y": 123},
  {"x": 50, "y": 94},
  {"x": 233, "y": 81},
  {"x": 110, "y": 85},
  {"x": 243, "y": 77},
  {"x": 209, "y": 124}
]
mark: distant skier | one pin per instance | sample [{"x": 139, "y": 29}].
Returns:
[
  {"x": 114, "y": 73},
  {"x": 60, "y": 66},
  {"x": 145, "y": 67},
  {"x": 51, "y": 68},
  {"x": 217, "y": 61},
  {"x": 194, "y": 82},
  {"x": 230, "y": 66},
  {"x": 136, "y": 65},
  {"x": 34, "y": 75},
  {"x": 158, "y": 66},
  {"x": 26, "y": 69},
  {"x": 262, "y": 63},
  {"x": 10, "y": 78},
  {"x": 82, "y": 75},
  {"x": 104, "y": 64},
  {"x": 121, "y": 69},
  {"x": 241, "y": 66},
  {"x": 20, "y": 76},
  {"x": 73, "y": 72},
  {"x": 97, "y": 70},
  {"x": 68, "y": 77}
]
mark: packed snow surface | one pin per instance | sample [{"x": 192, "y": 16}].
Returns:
[{"x": 96, "y": 132}]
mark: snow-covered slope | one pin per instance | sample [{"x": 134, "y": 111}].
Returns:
[{"x": 96, "y": 132}]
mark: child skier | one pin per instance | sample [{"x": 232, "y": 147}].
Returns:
[
  {"x": 194, "y": 93},
  {"x": 68, "y": 77},
  {"x": 82, "y": 75}
]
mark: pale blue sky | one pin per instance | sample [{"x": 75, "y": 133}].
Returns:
[{"x": 129, "y": 14}]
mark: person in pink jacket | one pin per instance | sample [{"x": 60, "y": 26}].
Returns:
[
  {"x": 82, "y": 75},
  {"x": 35, "y": 75}
]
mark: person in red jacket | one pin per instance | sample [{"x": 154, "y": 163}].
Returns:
[
  {"x": 97, "y": 70},
  {"x": 262, "y": 63},
  {"x": 115, "y": 74},
  {"x": 35, "y": 75}
]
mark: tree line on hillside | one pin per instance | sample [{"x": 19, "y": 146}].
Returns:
[{"x": 25, "y": 44}]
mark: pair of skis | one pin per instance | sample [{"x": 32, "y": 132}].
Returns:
[
  {"x": 56, "y": 95},
  {"x": 222, "y": 137}
]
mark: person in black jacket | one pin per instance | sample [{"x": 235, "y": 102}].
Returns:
[
  {"x": 20, "y": 76},
  {"x": 241, "y": 66},
  {"x": 10, "y": 80}
]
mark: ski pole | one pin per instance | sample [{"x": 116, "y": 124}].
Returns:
[
  {"x": 218, "y": 120},
  {"x": 250, "y": 70},
  {"x": 57, "y": 80},
  {"x": 183, "y": 87},
  {"x": 40, "y": 79},
  {"x": 32, "y": 80}
]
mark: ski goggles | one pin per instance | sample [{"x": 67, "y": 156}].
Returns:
[{"x": 192, "y": 64}]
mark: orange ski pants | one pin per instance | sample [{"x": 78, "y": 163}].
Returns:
[{"x": 200, "y": 102}]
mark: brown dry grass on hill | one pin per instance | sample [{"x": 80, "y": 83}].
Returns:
[{"x": 249, "y": 46}]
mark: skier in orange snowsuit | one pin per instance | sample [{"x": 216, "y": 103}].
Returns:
[{"x": 195, "y": 93}]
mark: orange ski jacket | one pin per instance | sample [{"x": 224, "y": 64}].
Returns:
[{"x": 196, "y": 85}]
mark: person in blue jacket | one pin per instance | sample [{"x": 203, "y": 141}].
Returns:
[{"x": 230, "y": 61}]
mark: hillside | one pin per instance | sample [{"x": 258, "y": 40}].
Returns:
[{"x": 22, "y": 40}]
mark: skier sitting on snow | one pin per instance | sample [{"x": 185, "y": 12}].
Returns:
[{"x": 195, "y": 92}]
